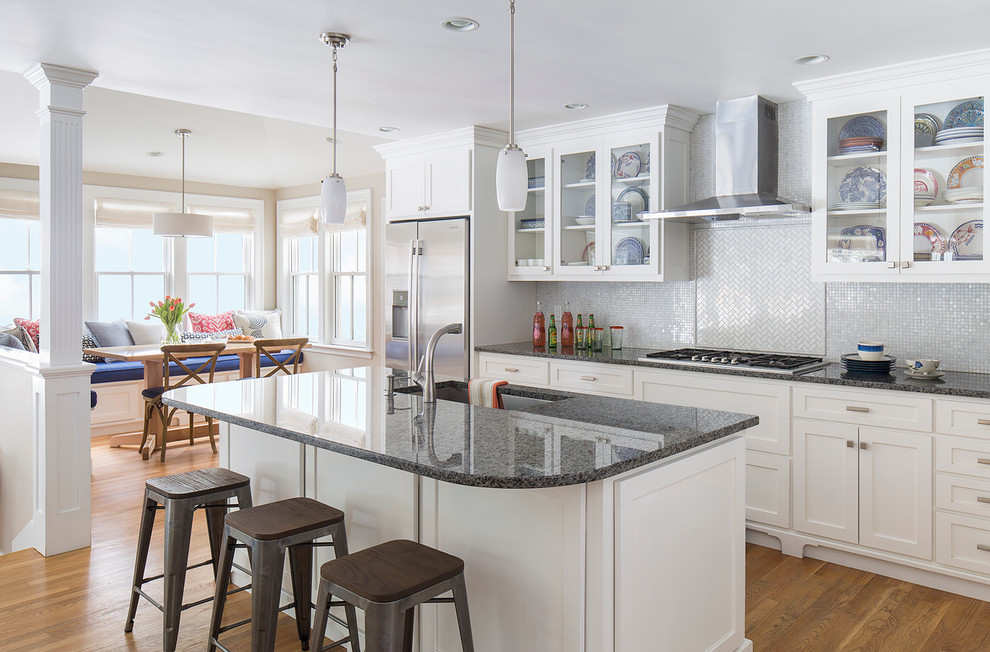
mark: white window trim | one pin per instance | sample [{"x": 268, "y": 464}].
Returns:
[{"x": 34, "y": 275}]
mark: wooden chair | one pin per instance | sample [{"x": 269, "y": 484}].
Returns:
[
  {"x": 177, "y": 353},
  {"x": 270, "y": 347}
]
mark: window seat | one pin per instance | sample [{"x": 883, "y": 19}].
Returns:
[{"x": 118, "y": 370}]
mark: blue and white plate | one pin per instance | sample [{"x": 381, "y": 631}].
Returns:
[
  {"x": 863, "y": 184},
  {"x": 863, "y": 126},
  {"x": 865, "y": 237},
  {"x": 967, "y": 241},
  {"x": 629, "y": 251},
  {"x": 637, "y": 197},
  {"x": 628, "y": 165},
  {"x": 589, "y": 167},
  {"x": 966, "y": 114},
  {"x": 589, "y": 207}
]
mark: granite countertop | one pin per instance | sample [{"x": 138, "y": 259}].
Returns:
[
  {"x": 573, "y": 439},
  {"x": 953, "y": 383}
]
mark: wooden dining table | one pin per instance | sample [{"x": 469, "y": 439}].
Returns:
[{"x": 151, "y": 356}]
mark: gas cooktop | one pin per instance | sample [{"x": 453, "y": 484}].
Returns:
[{"x": 774, "y": 363}]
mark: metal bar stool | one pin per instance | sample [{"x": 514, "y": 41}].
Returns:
[
  {"x": 388, "y": 581},
  {"x": 180, "y": 495},
  {"x": 267, "y": 531}
]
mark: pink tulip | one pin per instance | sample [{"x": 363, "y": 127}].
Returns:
[
  {"x": 171, "y": 308},
  {"x": 151, "y": 303},
  {"x": 192, "y": 305},
  {"x": 148, "y": 317},
  {"x": 160, "y": 304}
]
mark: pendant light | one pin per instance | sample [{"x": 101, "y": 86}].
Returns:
[
  {"x": 182, "y": 224},
  {"x": 333, "y": 197},
  {"x": 510, "y": 172}
]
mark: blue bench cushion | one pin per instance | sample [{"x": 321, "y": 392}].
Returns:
[{"x": 117, "y": 371}]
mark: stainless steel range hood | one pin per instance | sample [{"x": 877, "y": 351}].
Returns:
[{"x": 745, "y": 166}]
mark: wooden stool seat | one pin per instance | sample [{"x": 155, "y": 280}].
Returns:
[
  {"x": 392, "y": 570},
  {"x": 194, "y": 484},
  {"x": 284, "y": 518}
]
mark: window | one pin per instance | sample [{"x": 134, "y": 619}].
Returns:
[
  {"x": 304, "y": 286},
  {"x": 349, "y": 287},
  {"x": 20, "y": 255},
  {"x": 219, "y": 271}
]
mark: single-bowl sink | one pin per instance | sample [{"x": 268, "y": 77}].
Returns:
[{"x": 513, "y": 398}]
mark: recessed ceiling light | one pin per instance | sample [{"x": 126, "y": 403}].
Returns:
[
  {"x": 811, "y": 59},
  {"x": 576, "y": 106},
  {"x": 459, "y": 24},
  {"x": 388, "y": 130},
  {"x": 330, "y": 140},
  {"x": 156, "y": 154}
]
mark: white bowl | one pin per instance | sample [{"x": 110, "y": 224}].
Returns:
[{"x": 584, "y": 221}]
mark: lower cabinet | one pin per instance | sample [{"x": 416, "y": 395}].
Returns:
[{"x": 867, "y": 486}]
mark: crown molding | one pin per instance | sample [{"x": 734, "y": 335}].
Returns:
[
  {"x": 465, "y": 137},
  {"x": 667, "y": 115},
  {"x": 42, "y": 73},
  {"x": 898, "y": 76}
]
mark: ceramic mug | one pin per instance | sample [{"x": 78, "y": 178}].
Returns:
[
  {"x": 923, "y": 366},
  {"x": 871, "y": 350},
  {"x": 621, "y": 211}
]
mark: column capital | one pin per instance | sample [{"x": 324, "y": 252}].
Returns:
[{"x": 49, "y": 73}]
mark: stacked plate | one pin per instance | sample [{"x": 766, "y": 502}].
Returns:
[
  {"x": 963, "y": 124},
  {"x": 860, "y": 144},
  {"x": 854, "y": 364},
  {"x": 962, "y": 195},
  {"x": 926, "y": 126},
  {"x": 855, "y": 206},
  {"x": 925, "y": 187},
  {"x": 959, "y": 136}
]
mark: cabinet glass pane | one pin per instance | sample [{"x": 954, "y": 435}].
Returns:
[
  {"x": 629, "y": 199},
  {"x": 530, "y": 223},
  {"x": 577, "y": 208},
  {"x": 948, "y": 181},
  {"x": 857, "y": 188}
]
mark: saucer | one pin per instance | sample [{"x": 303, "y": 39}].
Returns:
[{"x": 918, "y": 374}]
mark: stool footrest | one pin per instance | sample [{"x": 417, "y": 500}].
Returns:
[
  {"x": 332, "y": 646},
  {"x": 227, "y": 628},
  {"x": 188, "y": 568}
]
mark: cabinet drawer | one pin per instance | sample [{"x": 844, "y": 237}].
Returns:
[
  {"x": 967, "y": 495},
  {"x": 962, "y": 542},
  {"x": 515, "y": 369},
  {"x": 768, "y": 489},
  {"x": 962, "y": 418},
  {"x": 864, "y": 408},
  {"x": 594, "y": 379},
  {"x": 964, "y": 456}
]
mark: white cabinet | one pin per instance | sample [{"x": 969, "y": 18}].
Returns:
[
  {"x": 530, "y": 237},
  {"x": 605, "y": 380},
  {"x": 864, "y": 485},
  {"x": 902, "y": 410},
  {"x": 429, "y": 185},
  {"x": 516, "y": 369},
  {"x": 768, "y": 489}
]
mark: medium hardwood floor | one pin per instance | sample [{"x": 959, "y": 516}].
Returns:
[{"x": 77, "y": 601}]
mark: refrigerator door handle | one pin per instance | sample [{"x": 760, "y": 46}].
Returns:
[{"x": 415, "y": 251}]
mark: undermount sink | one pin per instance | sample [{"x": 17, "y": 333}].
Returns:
[{"x": 458, "y": 393}]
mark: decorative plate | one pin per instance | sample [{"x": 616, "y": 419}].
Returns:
[
  {"x": 966, "y": 114},
  {"x": 638, "y": 198},
  {"x": 589, "y": 253},
  {"x": 629, "y": 251},
  {"x": 628, "y": 165},
  {"x": 932, "y": 375},
  {"x": 861, "y": 127},
  {"x": 931, "y": 117},
  {"x": 589, "y": 207},
  {"x": 967, "y": 241},
  {"x": 925, "y": 181},
  {"x": 955, "y": 178},
  {"x": 928, "y": 239},
  {"x": 589, "y": 167},
  {"x": 867, "y": 237},
  {"x": 924, "y": 130},
  {"x": 864, "y": 184}
]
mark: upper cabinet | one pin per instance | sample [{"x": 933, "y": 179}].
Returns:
[
  {"x": 897, "y": 173},
  {"x": 433, "y": 184},
  {"x": 590, "y": 182}
]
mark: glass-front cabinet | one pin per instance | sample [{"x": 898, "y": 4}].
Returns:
[
  {"x": 577, "y": 207},
  {"x": 630, "y": 238},
  {"x": 898, "y": 185},
  {"x": 530, "y": 241}
]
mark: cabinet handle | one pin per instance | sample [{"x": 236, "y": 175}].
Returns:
[
  {"x": 905, "y": 264},
  {"x": 591, "y": 378},
  {"x": 983, "y": 547},
  {"x": 598, "y": 268},
  {"x": 983, "y": 422},
  {"x": 511, "y": 370},
  {"x": 850, "y": 443},
  {"x": 856, "y": 408},
  {"x": 421, "y": 208},
  {"x": 426, "y": 208},
  {"x": 891, "y": 265},
  {"x": 605, "y": 268},
  {"x": 983, "y": 499},
  {"x": 546, "y": 268},
  {"x": 864, "y": 446},
  {"x": 982, "y": 460}
]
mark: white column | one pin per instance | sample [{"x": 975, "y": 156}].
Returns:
[{"x": 61, "y": 460}]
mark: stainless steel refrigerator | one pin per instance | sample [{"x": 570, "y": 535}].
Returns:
[{"x": 427, "y": 269}]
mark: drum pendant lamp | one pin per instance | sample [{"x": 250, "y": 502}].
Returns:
[{"x": 182, "y": 224}]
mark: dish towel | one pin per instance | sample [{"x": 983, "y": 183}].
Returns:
[{"x": 484, "y": 392}]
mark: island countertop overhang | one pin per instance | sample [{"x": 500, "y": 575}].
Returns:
[{"x": 572, "y": 440}]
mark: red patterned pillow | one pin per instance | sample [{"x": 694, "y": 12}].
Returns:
[
  {"x": 33, "y": 329},
  {"x": 211, "y": 323}
]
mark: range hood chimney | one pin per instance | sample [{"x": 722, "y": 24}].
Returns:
[{"x": 745, "y": 166}]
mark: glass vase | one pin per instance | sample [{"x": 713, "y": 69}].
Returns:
[{"x": 171, "y": 334}]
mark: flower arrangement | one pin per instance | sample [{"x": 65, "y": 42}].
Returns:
[{"x": 170, "y": 312}]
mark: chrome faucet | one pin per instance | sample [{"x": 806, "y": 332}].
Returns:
[{"x": 429, "y": 383}]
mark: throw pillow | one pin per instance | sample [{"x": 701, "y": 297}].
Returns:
[
  {"x": 191, "y": 336},
  {"x": 88, "y": 342},
  {"x": 110, "y": 333},
  {"x": 146, "y": 332},
  {"x": 259, "y": 323},
  {"x": 211, "y": 323},
  {"x": 33, "y": 328},
  {"x": 11, "y": 341},
  {"x": 16, "y": 331}
]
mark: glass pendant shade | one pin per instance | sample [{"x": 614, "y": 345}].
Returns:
[
  {"x": 333, "y": 200},
  {"x": 182, "y": 225},
  {"x": 511, "y": 180}
]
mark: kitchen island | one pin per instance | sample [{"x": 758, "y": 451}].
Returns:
[{"x": 586, "y": 523}]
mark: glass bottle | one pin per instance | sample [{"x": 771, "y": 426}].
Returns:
[
  {"x": 579, "y": 324},
  {"x": 591, "y": 320},
  {"x": 552, "y": 334},
  {"x": 567, "y": 326},
  {"x": 539, "y": 331}
]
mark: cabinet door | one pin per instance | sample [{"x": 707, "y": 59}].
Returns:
[
  {"x": 530, "y": 250},
  {"x": 629, "y": 245},
  {"x": 826, "y": 479},
  {"x": 768, "y": 489},
  {"x": 577, "y": 207},
  {"x": 448, "y": 182},
  {"x": 895, "y": 491},
  {"x": 405, "y": 187}
]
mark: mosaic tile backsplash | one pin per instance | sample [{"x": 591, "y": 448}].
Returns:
[{"x": 752, "y": 287}]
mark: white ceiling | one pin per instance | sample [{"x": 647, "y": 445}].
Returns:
[{"x": 264, "y": 60}]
